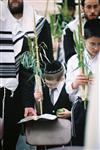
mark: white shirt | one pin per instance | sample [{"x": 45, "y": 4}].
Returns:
[
  {"x": 58, "y": 91},
  {"x": 73, "y": 71}
]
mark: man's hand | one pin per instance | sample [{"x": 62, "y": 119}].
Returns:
[{"x": 29, "y": 111}]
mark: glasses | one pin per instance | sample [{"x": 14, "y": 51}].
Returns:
[{"x": 94, "y": 45}]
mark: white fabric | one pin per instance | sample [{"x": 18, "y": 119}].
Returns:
[
  {"x": 92, "y": 137},
  {"x": 2, "y": 11},
  {"x": 24, "y": 24},
  {"x": 72, "y": 25},
  {"x": 7, "y": 61},
  {"x": 72, "y": 72}
]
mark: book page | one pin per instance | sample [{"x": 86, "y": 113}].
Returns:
[
  {"x": 35, "y": 118},
  {"x": 47, "y": 116},
  {"x": 28, "y": 119}
]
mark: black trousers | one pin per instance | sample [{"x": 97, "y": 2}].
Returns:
[
  {"x": 12, "y": 114},
  {"x": 79, "y": 113}
]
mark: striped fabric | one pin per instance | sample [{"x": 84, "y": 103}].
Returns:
[
  {"x": 10, "y": 53},
  {"x": 7, "y": 58}
]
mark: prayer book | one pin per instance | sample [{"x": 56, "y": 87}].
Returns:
[{"x": 40, "y": 117}]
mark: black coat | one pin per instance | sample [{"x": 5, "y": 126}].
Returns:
[
  {"x": 62, "y": 102},
  {"x": 69, "y": 44}
]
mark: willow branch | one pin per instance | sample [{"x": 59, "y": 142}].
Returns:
[
  {"x": 80, "y": 31},
  {"x": 38, "y": 85}
]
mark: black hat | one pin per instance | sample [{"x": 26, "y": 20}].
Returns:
[
  {"x": 71, "y": 3},
  {"x": 54, "y": 67}
]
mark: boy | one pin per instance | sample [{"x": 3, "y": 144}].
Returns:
[
  {"x": 92, "y": 48},
  {"x": 54, "y": 94},
  {"x": 55, "y": 98},
  {"x": 75, "y": 78}
]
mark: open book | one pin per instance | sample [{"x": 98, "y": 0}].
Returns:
[{"x": 35, "y": 118}]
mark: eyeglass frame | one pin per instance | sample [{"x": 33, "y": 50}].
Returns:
[{"x": 94, "y": 45}]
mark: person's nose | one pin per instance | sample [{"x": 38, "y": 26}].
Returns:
[
  {"x": 97, "y": 47},
  {"x": 92, "y": 9}
]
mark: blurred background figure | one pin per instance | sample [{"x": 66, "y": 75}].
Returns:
[
  {"x": 67, "y": 9},
  {"x": 66, "y": 13}
]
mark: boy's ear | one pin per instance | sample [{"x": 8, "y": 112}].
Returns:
[{"x": 62, "y": 78}]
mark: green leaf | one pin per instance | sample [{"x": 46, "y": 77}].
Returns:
[{"x": 28, "y": 58}]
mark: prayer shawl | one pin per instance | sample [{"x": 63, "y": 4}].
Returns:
[
  {"x": 2, "y": 11},
  {"x": 11, "y": 43}
]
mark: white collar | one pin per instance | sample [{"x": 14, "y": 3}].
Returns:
[{"x": 60, "y": 85}]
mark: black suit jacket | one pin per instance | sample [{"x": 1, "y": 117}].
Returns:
[{"x": 62, "y": 102}]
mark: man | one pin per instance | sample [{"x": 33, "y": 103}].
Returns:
[
  {"x": 20, "y": 18},
  {"x": 16, "y": 26},
  {"x": 91, "y": 9}
]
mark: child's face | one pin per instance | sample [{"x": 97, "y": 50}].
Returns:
[
  {"x": 93, "y": 46},
  {"x": 52, "y": 84}
]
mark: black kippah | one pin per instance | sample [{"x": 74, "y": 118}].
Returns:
[
  {"x": 92, "y": 28},
  {"x": 53, "y": 68}
]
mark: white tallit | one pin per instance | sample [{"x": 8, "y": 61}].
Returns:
[
  {"x": 10, "y": 52},
  {"x": 27, "y": 21},
  {"x": 2, "y": 11}
]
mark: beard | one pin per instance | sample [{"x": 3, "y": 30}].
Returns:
[
  {"x": 17, "y": 9},
  {"x": 92, "y": 16}
]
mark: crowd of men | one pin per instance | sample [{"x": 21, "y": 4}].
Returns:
[{"x": 18, "y": 96}]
